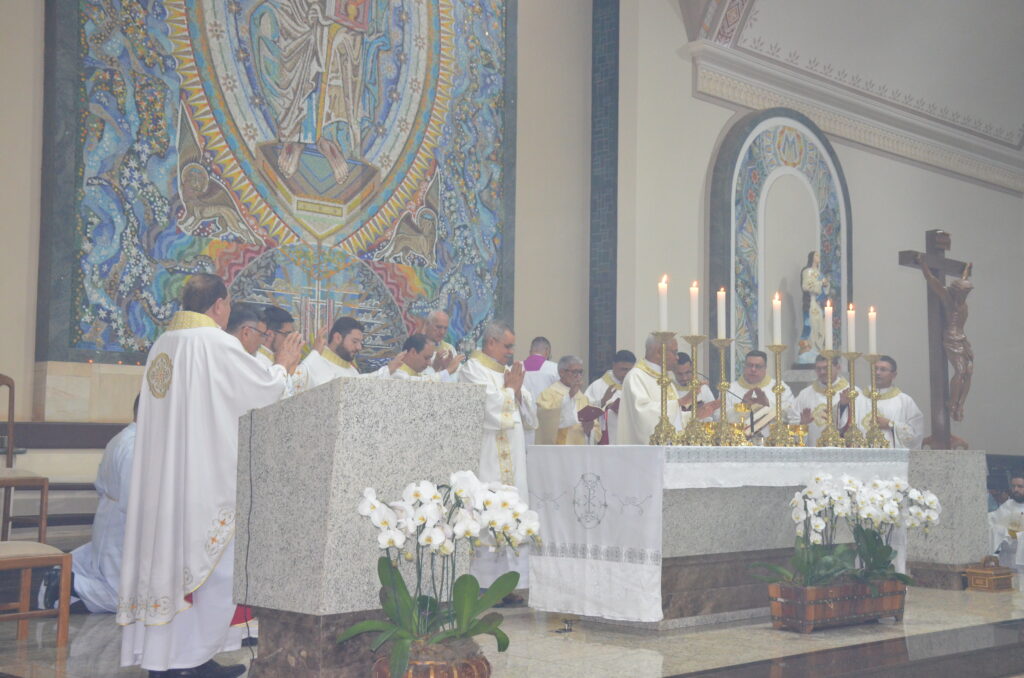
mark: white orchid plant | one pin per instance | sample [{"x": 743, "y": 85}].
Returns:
[
  {"x": 872, "y": 510},
  {"x": 429, "y": 526}
]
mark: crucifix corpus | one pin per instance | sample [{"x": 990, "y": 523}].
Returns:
[{"x": 947, "y": 343}]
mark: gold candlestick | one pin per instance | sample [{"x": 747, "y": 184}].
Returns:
[
  {"x": 695, "y": 433},
  {"x": 778, "y": 433},
  {"x": 854, "y": 437},
  {"x": 830, "y": 436},
  {"x": 724, "y": 435},
  {"x": 875, "y": 436},
  {"x": 664, "y": 431}
]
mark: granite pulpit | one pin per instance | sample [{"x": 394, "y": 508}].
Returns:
[{"x": 304, "y": 559}]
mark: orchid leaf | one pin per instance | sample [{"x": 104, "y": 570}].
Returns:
[
  {"x": 502, "y": 586},
  {"x": 365, "y": 627},
  {"x": 399, "y": 663}
]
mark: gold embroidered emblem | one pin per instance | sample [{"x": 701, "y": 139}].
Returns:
[{"x": 158, "y": 376}]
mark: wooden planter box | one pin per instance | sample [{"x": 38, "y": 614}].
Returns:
[{"x": 805, "y": 608}]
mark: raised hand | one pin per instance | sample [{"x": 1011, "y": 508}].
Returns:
[
  {"x": 287, "y": 356},
  {"x": 705, "y": 410},
  {"x": 806, "y": 416},
  {"x": 441, "y": 360},
  {"x": 396, "y": 362},
  {"x": 321, "y": 339}
]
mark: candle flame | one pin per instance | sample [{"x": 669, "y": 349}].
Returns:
[
  {"x": 776, "y": 297},
  {"x": 722, "y": 290},
  {"x": 828, "y": 303},
  {"x": 850, "y": 307},
  {"x": 694, "y": 284},
  {"x": 871, "y": 309},
  {"x": 664, "y": 279}
]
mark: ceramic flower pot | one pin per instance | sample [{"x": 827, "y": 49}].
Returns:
[{"x": 805, "y": 608}]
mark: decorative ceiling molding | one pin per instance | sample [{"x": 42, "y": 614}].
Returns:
[{"x": 755, "y": 83}]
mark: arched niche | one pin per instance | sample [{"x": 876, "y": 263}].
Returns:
[{"x": 755, "y": 153}]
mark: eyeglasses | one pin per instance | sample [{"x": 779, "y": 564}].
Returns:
[
  {"x": 580, "y": 371},
  {"x": 283, "y": 334},
  {"x": 265, "y": 335}
]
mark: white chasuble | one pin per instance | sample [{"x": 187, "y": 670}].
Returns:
[
  {"x": 1007, "y": 523},
  {"x": 443, "y": 347},
  {"x": 266, "y": 358},
  {"x": 406, "y": 373},
  {"x": 97, "y": 564},
  {"x": 320, "y": 367},
  {"x": 739, "y": 388},
  {"x": 181, "y": 509},
  {"x": 503, "y": 456},
  {"x": 813, "y": 398},
  {"x": 557, "y": 416},
  {"x": 640, "y": 408},
  {"x": 899, "y": 408}
]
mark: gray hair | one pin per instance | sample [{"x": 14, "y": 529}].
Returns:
[
  {"x": 567, "y": 361},
  {"x": 496, "y": 330},
  {"x": 651, "y": 343},
  {"x": 437, "y": 313}
]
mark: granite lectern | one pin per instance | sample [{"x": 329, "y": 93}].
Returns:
[{"x": 304, "y": 559}]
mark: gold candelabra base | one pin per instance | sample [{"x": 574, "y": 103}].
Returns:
[
  {"x": 874, "y": 437},
  {"x": 830, "y": 436},
  {"x": 695, "y": 433},
  {"x": 779, "y": 434},
  {"x": 664, "y": 431},
  {"x": 854, "y": 437}
]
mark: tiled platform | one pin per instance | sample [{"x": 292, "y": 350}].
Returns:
[{"x": 937, "y": 623}]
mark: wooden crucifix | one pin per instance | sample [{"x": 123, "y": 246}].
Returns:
[{"x": 947, "y": 313}]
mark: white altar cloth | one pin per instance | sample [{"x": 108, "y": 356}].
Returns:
[
  {"x": 600, "y": 528},
  {"x": 775, "y": 466},
  {"x": 600, "y": 510}
]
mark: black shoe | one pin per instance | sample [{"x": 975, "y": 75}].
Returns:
[
  {"x": 51, "y": 587},
  {"x": 210, "y": 669},
  {"x": 250, "y": 642}
]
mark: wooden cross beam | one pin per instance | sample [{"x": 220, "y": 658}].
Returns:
[{"x": 937, "y": 243}]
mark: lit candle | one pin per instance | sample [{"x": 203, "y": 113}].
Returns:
[
  {"x": 828, "y": 325},
  {"x": 694, "y": 320},
  {"x": 663, "y": 304},
  {"x": 872, "y": 331},
  {"x": 851, "y": 330},
  {"x": 776, "y": 319},
  {"x": 721, "y": 313}
]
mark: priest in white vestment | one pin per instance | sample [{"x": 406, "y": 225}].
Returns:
[
  {"x": 1007, "y": 524},
  {"x": 334, "y": 355},
  {"x": 640, "y": 408},
  {"x": 508, "y": 410},
  {"x": 435, "y": 327},
  {"x": 97, "y": 564},
  {"x": 898, "y": 415},
  {"x": 559, "y": 405},
  {"x": 605, "y": 392},
  {"x": 279, "y": 324},
  {"x": 707, "y": 403},
  {"x": 416, "y": 354},
  {"x": 755, "y": 389},
  {"x": 175, "y": 598},
  {"x": 811, "y": 402}
]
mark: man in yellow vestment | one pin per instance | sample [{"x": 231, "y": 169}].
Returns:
[{"x": 559, "y": 405}]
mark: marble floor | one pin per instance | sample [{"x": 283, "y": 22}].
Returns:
[{"x": 594, "y": 650}]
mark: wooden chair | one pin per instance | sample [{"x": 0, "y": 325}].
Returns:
[
  {"x": 25, "y": 555},
  {"x": 15, "y": 479}
]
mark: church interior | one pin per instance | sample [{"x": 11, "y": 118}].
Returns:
[{"x": 545, "y": 164}]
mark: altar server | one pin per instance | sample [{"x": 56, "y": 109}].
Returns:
[
  {"x": 559, "y": 405},
  {"x": 508, "y": 410},
  {"x": 640, "y": 408},
  {"x": 541, "y": 372},
  {"x": 175, "y": 599},
  {"x": 898, "y": 415},
  {"x": 605, "y": 392},
  {"x": 811, "y": 402}
]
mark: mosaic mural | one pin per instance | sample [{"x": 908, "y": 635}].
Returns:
[
  {"x": 331, "y": 157},
  {"x": 780, "y": 145}
]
